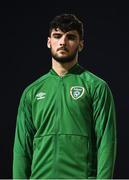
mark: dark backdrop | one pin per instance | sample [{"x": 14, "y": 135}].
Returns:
[{"x": 25, "y": 57}]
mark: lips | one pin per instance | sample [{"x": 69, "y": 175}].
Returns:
[{"x": 63, "y": 49}]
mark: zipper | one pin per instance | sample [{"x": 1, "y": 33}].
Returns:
[
  {"x": 58, "y": 104},
  {"x": 58, "y": 115}
]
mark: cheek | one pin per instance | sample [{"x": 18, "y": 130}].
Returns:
[
  {"x": 53, "y": 44},
  {"x": 53, "y": 48},
  {"x": 74, "y": 47}
]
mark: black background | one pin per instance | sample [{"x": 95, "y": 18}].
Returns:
[{"x": 25, "y": 57}]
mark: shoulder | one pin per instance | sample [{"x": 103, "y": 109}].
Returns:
[
  {"x": 94, "y": 83},
  {"x": 92, "y": 79},
  {"x": 30, "y": 90}
]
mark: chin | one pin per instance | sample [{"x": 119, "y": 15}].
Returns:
[{"x": 64, "y": 60}]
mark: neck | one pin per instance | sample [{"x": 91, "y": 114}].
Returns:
[{"x": 62, "y": 68}]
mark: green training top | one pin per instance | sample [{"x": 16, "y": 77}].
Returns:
[{"x": 66, "y": 128}]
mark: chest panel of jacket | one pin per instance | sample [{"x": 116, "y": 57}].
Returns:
[{"x": 63, "y": 108}]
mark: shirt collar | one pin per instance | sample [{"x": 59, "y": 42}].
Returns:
[{"x": 76, "y": 69}]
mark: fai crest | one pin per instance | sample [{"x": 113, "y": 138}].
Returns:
[{"x": 76, "y": 92}]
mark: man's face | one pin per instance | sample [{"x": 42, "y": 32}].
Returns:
[{"x": 64, "y": 45}]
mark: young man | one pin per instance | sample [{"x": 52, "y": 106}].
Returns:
[{"x": 66, "y": 125}]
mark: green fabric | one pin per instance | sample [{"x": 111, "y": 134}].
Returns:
[{"x": 66, "y": 128}]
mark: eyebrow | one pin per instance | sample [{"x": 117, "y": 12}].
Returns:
[{"x": 59, "y": 33}]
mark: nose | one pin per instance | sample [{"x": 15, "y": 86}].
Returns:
[{"x": 63, "y": 41}]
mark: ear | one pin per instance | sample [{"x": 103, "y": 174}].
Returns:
[
  {"x": 48, "y": 42},
  {"x": 81, "y": 45}
]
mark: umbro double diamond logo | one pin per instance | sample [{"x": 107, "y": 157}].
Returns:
[{"x": 40, "y": 95}]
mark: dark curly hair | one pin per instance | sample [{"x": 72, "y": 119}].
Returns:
[{"x": 67, "y": 22}]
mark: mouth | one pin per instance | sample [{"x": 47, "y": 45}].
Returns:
[{"x": 63, "y": 49}]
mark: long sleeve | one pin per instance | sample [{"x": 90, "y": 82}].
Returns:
[
  {"x": 23, "y": 143},
  {"x": 105, "y": 130}
]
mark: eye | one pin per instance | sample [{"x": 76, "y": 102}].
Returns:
[
  {"x": 57, "y": 36},
  {"x": 72, "y": 37}
]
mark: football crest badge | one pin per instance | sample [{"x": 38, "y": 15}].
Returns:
[{"x": 76, "y": 92}]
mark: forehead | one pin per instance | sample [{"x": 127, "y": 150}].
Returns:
[{"x": 73, "y": 32}]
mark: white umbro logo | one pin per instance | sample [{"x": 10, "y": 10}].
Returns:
[{"x": 40, "y": 95}]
